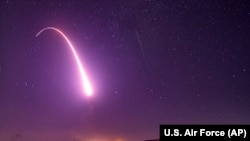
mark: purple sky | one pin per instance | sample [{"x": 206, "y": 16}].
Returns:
[{"x": 151, "y": 62}]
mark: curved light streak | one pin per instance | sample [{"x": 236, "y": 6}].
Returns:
[{"x": 86, "y": 83}]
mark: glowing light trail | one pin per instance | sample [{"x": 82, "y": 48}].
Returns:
[{"x": 87, "y": 86}]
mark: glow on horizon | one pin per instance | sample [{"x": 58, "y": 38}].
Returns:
[{"x": 86, "y": 83}]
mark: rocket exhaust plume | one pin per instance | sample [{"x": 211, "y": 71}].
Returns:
[{"x": 86, "y": 84}]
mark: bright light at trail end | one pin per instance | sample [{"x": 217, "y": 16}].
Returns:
[
  {"x": 87, "y": 88},
  {"x": 86, "y": 84}
]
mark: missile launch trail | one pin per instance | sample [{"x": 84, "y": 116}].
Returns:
[{"x": 86, "y": 83}]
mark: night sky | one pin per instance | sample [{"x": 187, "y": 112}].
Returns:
[{"x": 150, "y": 62}]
